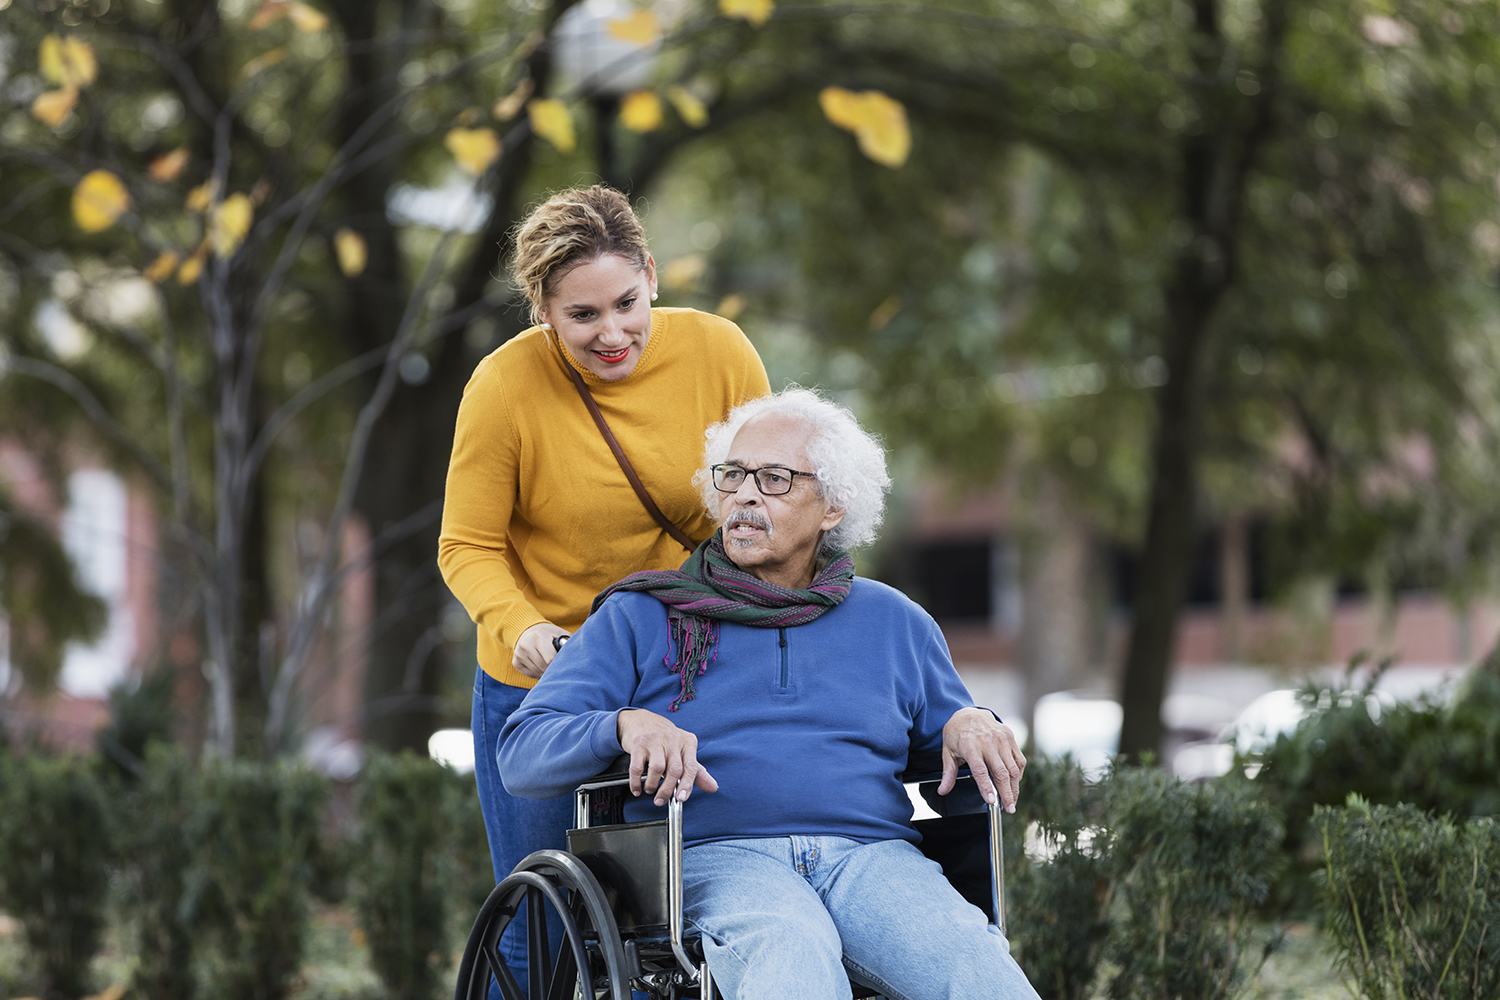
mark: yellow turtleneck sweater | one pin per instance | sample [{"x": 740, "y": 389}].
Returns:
[{"x": 538, "y": 517}]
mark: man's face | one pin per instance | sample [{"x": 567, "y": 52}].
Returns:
[{"x": 775, "y": 538}]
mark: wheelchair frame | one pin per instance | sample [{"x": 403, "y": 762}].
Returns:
[{"x": 597, "y": 955}]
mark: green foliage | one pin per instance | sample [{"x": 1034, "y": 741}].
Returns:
[
  {"x": 1151, "y": 879},
  {"x": 1444, "y": 758},
  {"x": 55, "y": 851},
  {"x": 157, "y": 861},
  {"x": 140, "y": 714},
  {"x": 41, "y": 595},
  {"x": 1060, "y": 906},
  {"x": 402, "y": 869},
  {"x": 1193, "y": 863},
  {"x": 1412, "y": 901},
  {"x": 254, "y": 832}
]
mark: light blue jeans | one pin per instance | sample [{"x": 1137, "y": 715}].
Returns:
[{"x": 786, "y": 916}]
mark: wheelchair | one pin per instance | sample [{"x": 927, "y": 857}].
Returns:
[{"x": 618, "y": 892}]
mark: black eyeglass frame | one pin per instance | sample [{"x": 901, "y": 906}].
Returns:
[{"x": 755, "y": 475}]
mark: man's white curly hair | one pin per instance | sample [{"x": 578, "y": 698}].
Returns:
[{"x": 848, "y": 461}]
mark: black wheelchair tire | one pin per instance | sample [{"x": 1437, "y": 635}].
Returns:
[{"x": 588, "y": 924}]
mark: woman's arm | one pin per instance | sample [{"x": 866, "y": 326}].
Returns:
[{"x": 480, "y": 496}]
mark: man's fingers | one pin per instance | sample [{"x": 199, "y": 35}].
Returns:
[
  {"x": 637, "y": 771},
  {"x": 950, "y": 772}
]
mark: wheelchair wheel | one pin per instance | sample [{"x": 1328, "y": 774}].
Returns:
[{"x": 592, "y": 958}]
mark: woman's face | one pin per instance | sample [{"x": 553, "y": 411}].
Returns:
[{"x": 601, "y": 311}]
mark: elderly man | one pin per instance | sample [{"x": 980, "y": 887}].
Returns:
[{"x": 767, "y": 673}]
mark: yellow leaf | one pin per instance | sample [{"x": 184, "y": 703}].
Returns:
[
  {"x": 757, "y": 12},
  {"x": 262, "y": 62},
  {"x": 840, "y": 106},
  {"x": 511, "y": 104},
  {"x": 162, "y": 267},
  {"x": 269, "y": 13},
  {"x": 306, "y": 17},
  {"x": 877, "y": 121},
  {"x": 550, "y": 120},
  {"x": 351, "y": 251},
  {"x": 168, "y": 166},
  {"x": 683, "y": 273},
  {"x": 474, "y": 148},
  {"x": 639, "y": 28},
  {"x": 229, "y": 223},
  {"x": 731, "y": 305},
  {"x": 202, "y": 196},
  {"x": 467, "y": 117},
  {"x": 67, "y": 62},
  {"x": 641, "y": 111},
  {"x": 98, "y": 200},
  {"x": 192, "y": 267},
  {"x": 53, "y": 107},
  {"x": 688, "y": 106},
  {"x": 885, "y": 312}
]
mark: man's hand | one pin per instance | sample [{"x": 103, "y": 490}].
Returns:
[
  {"x": 976, "y": 738},
  {"x": 534, "y": 650},
  {"x": 661, "y": 755}
]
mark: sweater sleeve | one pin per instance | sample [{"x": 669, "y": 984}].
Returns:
[
  {"x": 478, "y": 500},
  {"x": 565, "y": 730}
]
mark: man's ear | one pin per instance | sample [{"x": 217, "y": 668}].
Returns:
[{"x": 832, "y": 519}]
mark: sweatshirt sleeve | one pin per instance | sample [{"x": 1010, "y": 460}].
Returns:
[
  {"x": 477, "y": 504},
  {"x": 941, "y": 694},
  {"x": 565, "y": 732}
]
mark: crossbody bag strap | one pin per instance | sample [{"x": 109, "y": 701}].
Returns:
[{"x": 625, "y": 466}]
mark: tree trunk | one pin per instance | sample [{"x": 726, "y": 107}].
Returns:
[
  {"x": 1216, "y": 165},
  {"x": 402, "y": 488}
]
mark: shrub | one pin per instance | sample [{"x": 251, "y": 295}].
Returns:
[
  {"x": 255, "y": 839},
  {"x": 403, "y": 871},
  {"x": 1441, "y": 758},
  {"x": 54, "y": 863},
  {"x": 1192, "y": 863},
  {"x": 1060, "y": 893},
  {"x": 157, "y": 867},
  {"x": 1412, "y": 901}
]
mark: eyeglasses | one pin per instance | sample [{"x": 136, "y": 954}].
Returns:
[{"x": 772, "y": 480}]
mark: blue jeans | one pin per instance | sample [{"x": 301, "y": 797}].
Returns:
[
  {"x": 786, "y": 916},
  {"x": 515, "y": 826}
]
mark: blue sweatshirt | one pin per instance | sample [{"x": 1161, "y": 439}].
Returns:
[{"x": 806, "y": 729}]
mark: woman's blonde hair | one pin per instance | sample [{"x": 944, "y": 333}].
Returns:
[{"x": 570, "y": 228}]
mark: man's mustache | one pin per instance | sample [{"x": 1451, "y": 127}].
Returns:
[{"x": 753, "y": 518}]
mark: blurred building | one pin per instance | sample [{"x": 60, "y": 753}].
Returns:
[
  {"x": 112, "y": 531},
  {"x": 1033, "y": 601}
]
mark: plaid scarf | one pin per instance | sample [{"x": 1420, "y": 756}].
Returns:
[{"x": 709, "y": 589}]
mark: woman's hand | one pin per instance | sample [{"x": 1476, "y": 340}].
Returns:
[
  {"x": 661, "y": 756},
  {"x": 534, "y": 650}
]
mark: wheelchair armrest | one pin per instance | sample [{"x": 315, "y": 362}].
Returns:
[
  {"x": 926, "y": 765},
  {"x": 617, "y": 771}
]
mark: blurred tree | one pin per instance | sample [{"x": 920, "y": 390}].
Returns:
[
  {"x": 189, "y": 185},
  {"x": 45, "y": 606},
  {"x": 1178, "y": 254},
  {"x": 1154, "y": 249}
]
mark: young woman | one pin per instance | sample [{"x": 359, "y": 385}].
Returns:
[{"x": 539, "y": 515}]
